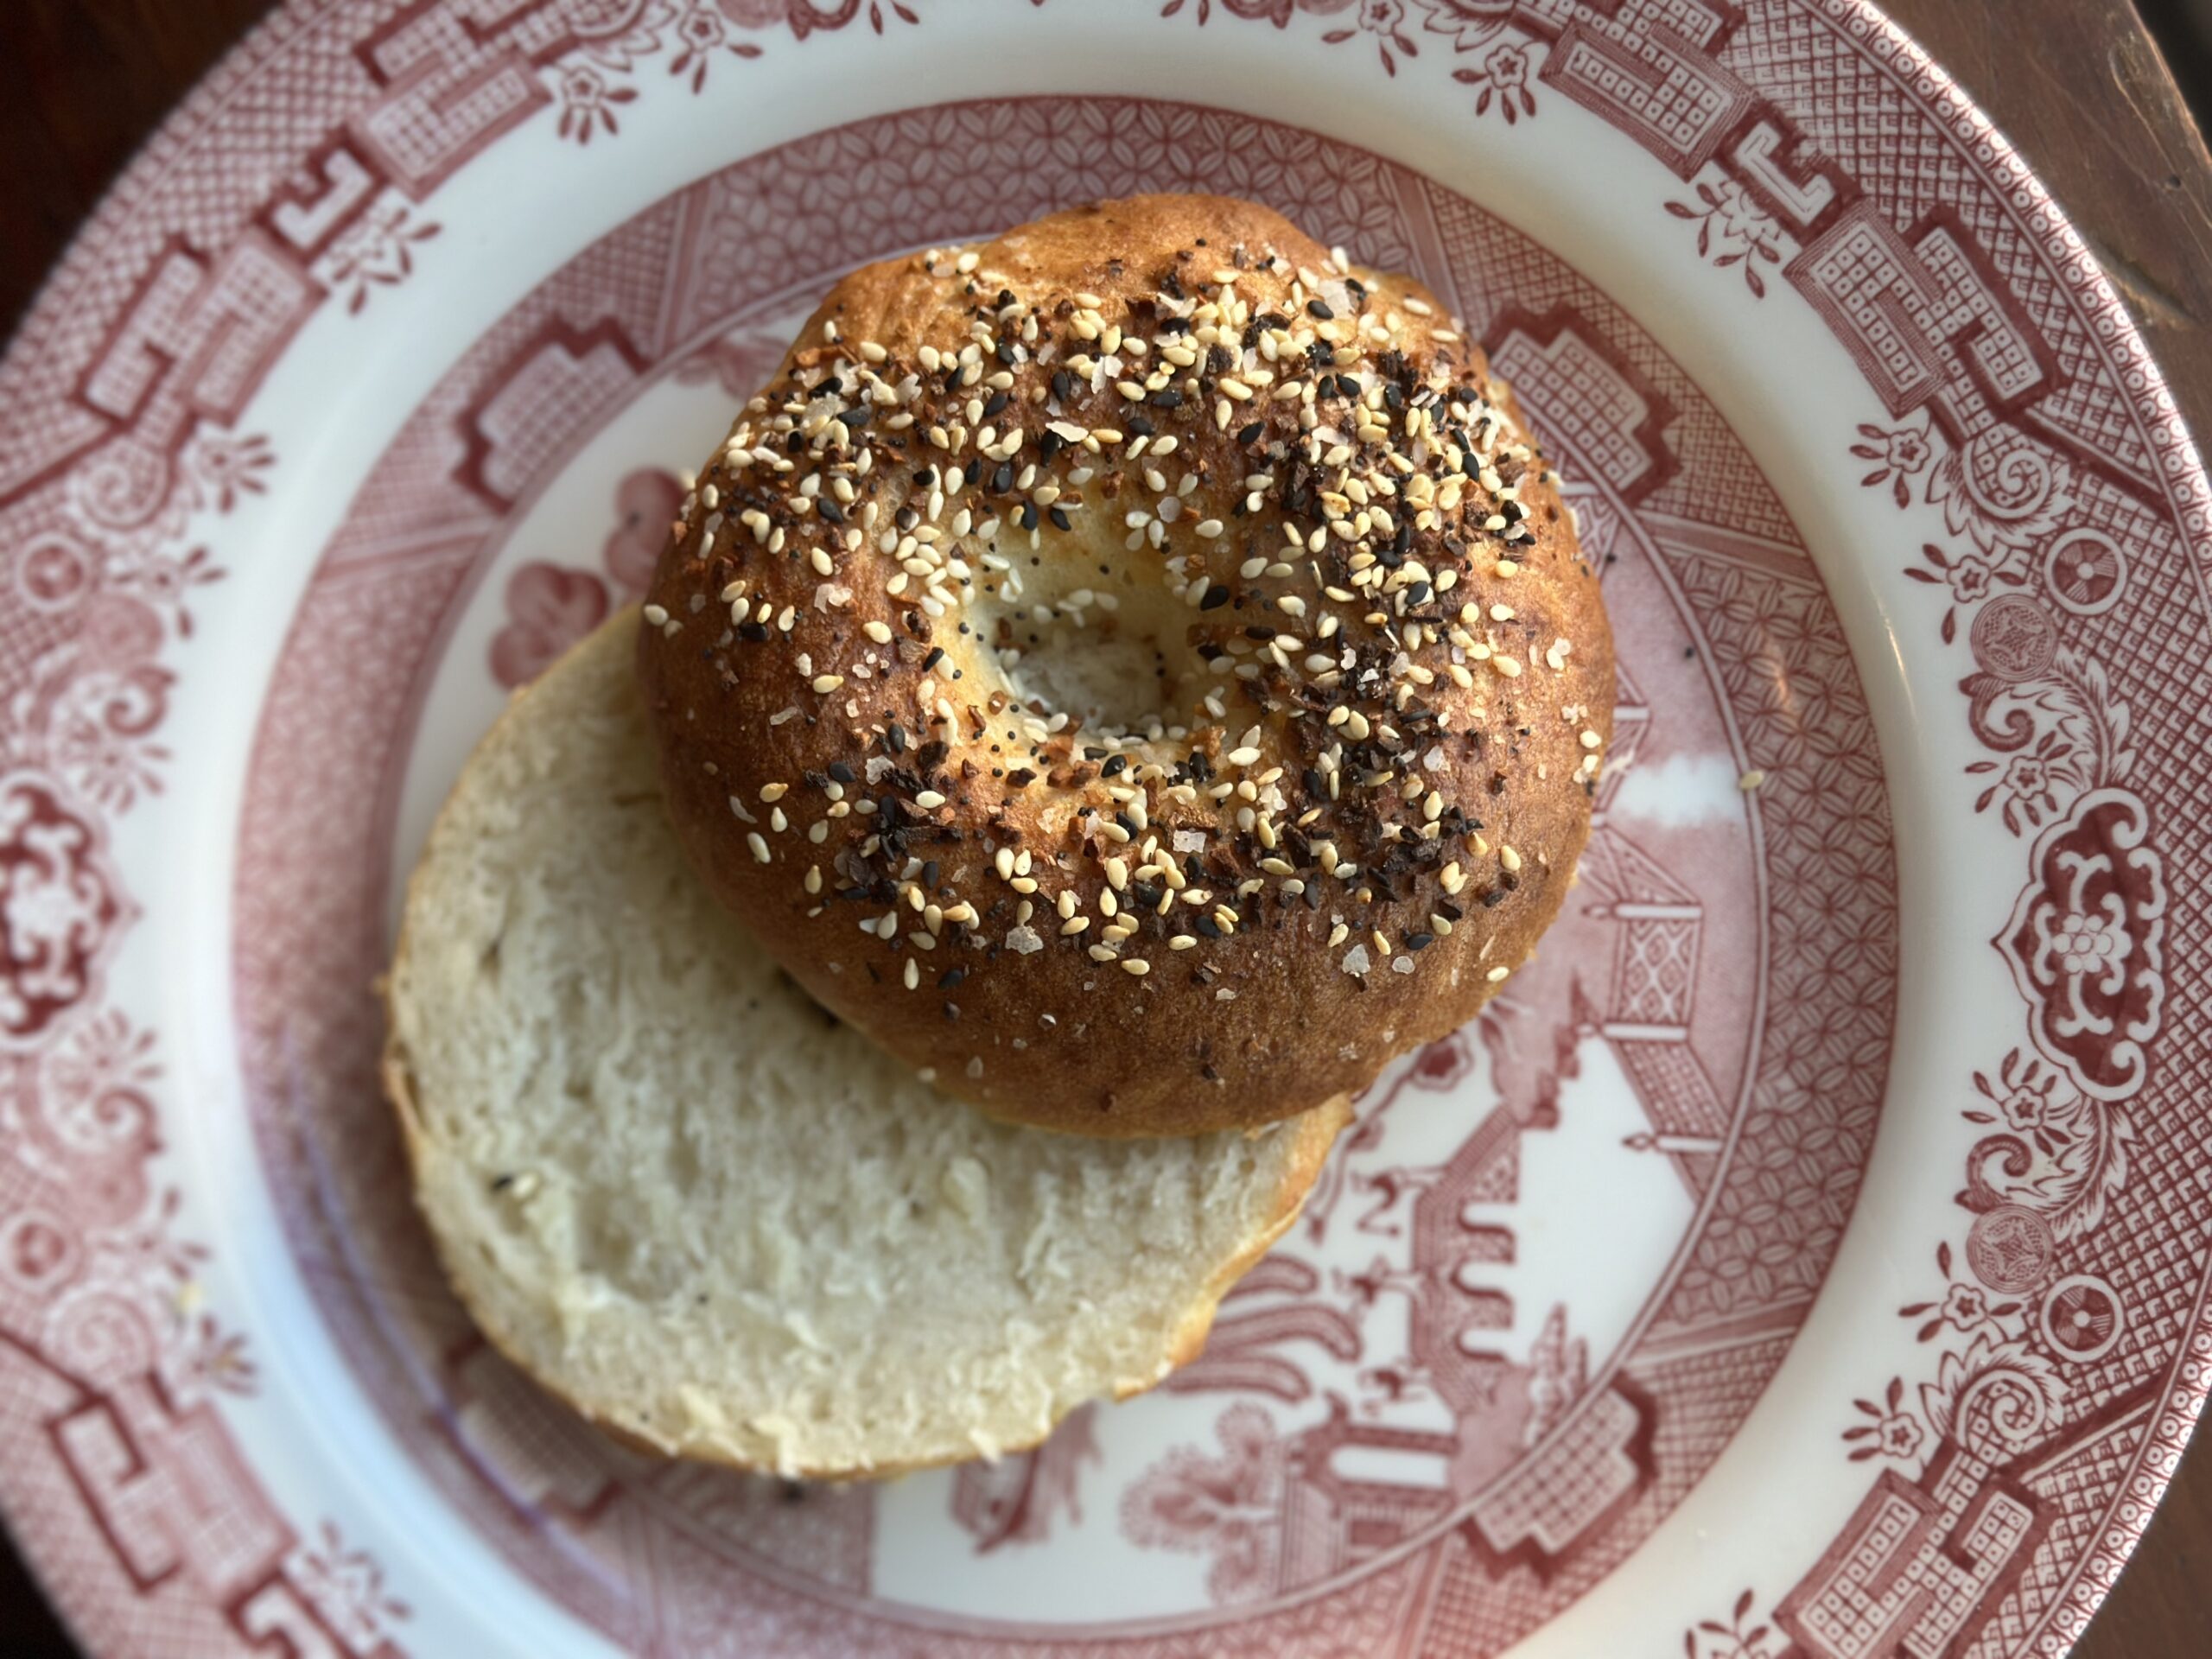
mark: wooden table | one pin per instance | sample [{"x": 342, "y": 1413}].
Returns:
[{"x": 2078, "y": 84}]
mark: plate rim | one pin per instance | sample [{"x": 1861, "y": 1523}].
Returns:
[{"x": 2183, "y": 1399}]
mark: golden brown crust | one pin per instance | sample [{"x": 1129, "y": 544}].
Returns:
[{"x": 843, "y": 748}]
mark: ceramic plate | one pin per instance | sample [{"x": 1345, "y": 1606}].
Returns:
[{"x": 1808, "y": 1257}]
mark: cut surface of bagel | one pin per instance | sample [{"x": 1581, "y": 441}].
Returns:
[{"x": 712, "y": 1217}]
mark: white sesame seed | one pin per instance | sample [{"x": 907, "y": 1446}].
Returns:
[
  {"x": 655, "y": 615},
  {"x": 758, "y": 844},
  {"x": 1136, "y": 966},
  {"x": 826, "y": 683},
  {"x": 929, "y": 800},
  {"x": 1497, "y": 974},
  {"x": 1751, "y": 780}
]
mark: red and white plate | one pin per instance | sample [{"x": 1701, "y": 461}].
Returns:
[{"x": 1807, "y": 1258}]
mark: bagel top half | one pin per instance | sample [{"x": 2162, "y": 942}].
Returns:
[{"x": 1139, "y": 669}]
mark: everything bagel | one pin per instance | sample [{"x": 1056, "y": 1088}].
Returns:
[{"x": 1139, "y": 669}]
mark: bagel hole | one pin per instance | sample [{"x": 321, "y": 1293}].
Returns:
[{"x": 1108, "y": 648}]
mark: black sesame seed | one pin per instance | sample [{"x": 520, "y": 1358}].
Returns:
[
  {"x": 1216, "y": 596},
  {"x": 1249, "y": 435},
  {"x": 1318, "y": 308}
]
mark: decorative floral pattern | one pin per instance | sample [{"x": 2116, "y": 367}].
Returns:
[
  {"x": 1968, "y": 577},
  {"x": 61, "y": 907},
  {"x": 1503, "y": 79},
  {"x": 1900, "y": 454},
  {"x": 222, "y": 470},
  {"x": 1710, "y": 1639},
  {"x": 593, "y": 83},
  {"x": 2086, "y": 946},
  {"x": 377, "y": 250},
  {"x": 550, "y": 607},
  {"x": 1964, "y": 1308},
  {"x": 1386, "y": 21},
  {"x": 347, "y": 1588},
  {"x": 1732, "y": 230},
  {"x": 702, "y": 33},
  {"x": 589, "y": 102},
  {"x": 1891, "y": 1431},
  {"x": 1226, "y": 1507}
]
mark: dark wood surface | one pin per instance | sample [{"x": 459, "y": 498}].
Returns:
[{"x": 2080, "y": 85}]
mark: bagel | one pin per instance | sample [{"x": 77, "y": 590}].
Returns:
[{"x": 1139, "y": 669}]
